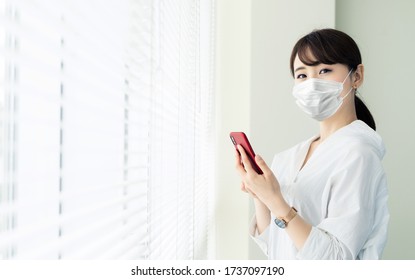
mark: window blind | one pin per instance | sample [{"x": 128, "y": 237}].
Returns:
[{"x": 106, "y": 129}]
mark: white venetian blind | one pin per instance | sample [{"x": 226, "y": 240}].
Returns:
[{"x": 106, "y": 129}]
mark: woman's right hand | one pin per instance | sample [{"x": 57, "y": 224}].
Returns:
[
  {"x": 238, "y": 163},
  {"x": 262, "y": 213}
]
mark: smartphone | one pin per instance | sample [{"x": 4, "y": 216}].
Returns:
[{"x": 241, "y": 139}]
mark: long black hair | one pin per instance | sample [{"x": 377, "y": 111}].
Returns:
[{"x": 330, "y": 46}]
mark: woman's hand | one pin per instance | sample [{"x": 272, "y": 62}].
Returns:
[
  {"x": 265, "y": 187},
  {"x": 244, "y": 188}
]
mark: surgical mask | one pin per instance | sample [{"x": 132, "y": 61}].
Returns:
[{"x": 319, "y": 98}]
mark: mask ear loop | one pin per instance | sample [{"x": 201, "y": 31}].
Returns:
[
  {"x": 347, "y": 75},
  {"x": 344, "y": 97}
]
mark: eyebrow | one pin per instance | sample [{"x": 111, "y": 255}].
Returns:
[
  {"x": 303, "y": 67},
  {"x": 299, "y": 68}
]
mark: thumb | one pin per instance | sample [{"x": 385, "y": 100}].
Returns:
[{"x": 262, "y": 164}]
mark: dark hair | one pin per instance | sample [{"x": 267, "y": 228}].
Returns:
[{"x": 330, "y": 46}]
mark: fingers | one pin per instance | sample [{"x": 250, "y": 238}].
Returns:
[
  {"x": 238, "y": 165},
  {"x": 245, "y": 160},
  {"x": 263, "y": 165},
  {"x": 251, "y": 193},
  {"x": 237, "y": 158},
  {"x": 243, "y": 187},
  {"x": 247, "y": 190}
]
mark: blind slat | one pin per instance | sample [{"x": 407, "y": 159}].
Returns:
[{"x": 105, "y": 110}]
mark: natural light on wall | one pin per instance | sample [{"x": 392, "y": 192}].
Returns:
[{"x": 106, "y": 129}]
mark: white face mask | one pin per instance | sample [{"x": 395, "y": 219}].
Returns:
[{"x": 319, "y": 98}]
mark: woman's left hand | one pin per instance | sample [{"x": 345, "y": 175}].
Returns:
[{"x": 264, "y": 186}]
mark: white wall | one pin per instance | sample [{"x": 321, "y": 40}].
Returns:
[
  {"x": 276, "y": 123},
  {"x": 233, "y": 70},
  {"x": 385, "y": 33},
  {"x": 253, "y": 94}
]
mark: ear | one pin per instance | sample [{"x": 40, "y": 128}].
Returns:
[{"x": 358, "y": 76}]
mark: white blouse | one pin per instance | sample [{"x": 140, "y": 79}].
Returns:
[{"x": 341, "y": 191}]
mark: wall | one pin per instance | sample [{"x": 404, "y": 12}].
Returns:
[
  {"x": 384, "y": 31},
  {"x": 276, "y": 123},
  {"x": 253, "y": 94},
  {"x": 233, "y": 70}
]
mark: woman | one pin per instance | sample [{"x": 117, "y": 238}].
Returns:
[{"x": 325, "y": 198}]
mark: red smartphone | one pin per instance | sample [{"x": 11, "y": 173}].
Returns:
[{"x": 241, "y": 139}]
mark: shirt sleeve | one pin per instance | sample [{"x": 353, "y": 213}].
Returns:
[
  {"x": 354, "y": 204},
  {"x": 260, "y": 239}
]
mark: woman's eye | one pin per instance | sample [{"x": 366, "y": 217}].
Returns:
[
  {"x": 324, "y": 71},
  {"x": 301, "y": 76}
]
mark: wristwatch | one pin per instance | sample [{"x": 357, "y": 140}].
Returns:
[{"x": 282, "y": 222}]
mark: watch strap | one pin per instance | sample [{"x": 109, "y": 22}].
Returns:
[{"x": 282, "y": 222}]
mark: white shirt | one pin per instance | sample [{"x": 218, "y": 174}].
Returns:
[{"x": 341, "y": 191}]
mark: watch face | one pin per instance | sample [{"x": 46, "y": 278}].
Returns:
[{"x": 280, "y": 223}]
